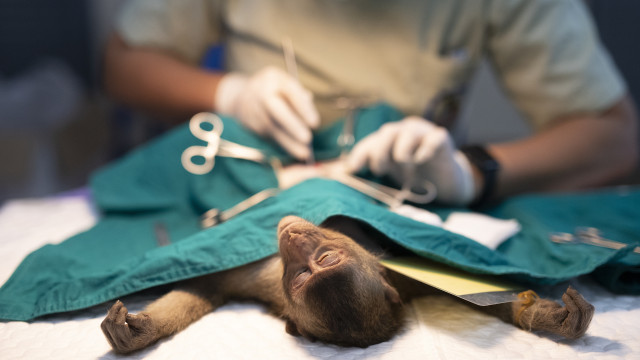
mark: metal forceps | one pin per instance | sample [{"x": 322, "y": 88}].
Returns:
[
  {"x": 385, "y": 194},
  {"x": 215, "y": 145},
  {"x": 352, "y": 104},
  {"x": 589, "y": 236},
  {"x": 216, "y": 216}
]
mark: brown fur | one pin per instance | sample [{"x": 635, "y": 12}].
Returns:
[{"x": 327, "y": 288}]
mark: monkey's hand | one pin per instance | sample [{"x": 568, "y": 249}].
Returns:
[
  {"x": 570, "y": 321},
  {"x": 128, "y": 332}
]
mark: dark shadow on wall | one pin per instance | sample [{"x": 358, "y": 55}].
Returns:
[
  {"x": 619, "y": 27},
  {"x": 35, "y": 29},
  {"x": 52, "y": 125}
]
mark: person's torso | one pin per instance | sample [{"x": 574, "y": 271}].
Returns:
[{"x": 404, "y": 52}]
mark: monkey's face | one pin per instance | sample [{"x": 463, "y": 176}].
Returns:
[{"x": 335, "y": 290}]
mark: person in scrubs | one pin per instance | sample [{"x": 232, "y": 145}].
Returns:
[{"x": 415, "y": 55}]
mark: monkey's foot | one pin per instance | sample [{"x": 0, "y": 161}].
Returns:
[
  {"x": 127, "y": 332},
  {"x": 571, "y": 321}
]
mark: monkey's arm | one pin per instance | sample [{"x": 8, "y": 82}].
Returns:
[
  {"x": 192, "y": 300},
  {"x": 261, "y": 281},
  {"x": 166, "y": 316},
  {"x": 529, "y": 313}
]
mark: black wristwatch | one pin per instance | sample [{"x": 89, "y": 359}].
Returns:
[{"x": 488, "y": 167}]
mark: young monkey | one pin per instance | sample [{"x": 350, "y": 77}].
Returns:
[{"x": 327, "y": 287}]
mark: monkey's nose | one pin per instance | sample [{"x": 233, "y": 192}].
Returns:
[
  {"x": 296, "y": 243},
  {"x": 286, "y": 221}
]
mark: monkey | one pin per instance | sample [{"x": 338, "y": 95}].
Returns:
[{"x": 327, "y": 287}]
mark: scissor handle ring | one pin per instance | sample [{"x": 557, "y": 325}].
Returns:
[
  {"x": 195, "y": 126},
  {"x": 211, "y": 137},
  {"x": 430, "y": 194},
  {"x": 193, "y": 151}
]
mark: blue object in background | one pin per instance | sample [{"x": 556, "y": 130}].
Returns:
[{"x": 214, "y": 58}]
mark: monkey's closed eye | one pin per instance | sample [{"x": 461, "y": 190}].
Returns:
[
  {"x": 300, "y": 278},
  {"x": 328, "y": 259}
]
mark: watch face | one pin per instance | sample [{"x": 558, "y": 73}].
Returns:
[{"x": 490, "y": 165}]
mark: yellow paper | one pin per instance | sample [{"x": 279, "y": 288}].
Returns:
[{"x": 448, "y": 279}]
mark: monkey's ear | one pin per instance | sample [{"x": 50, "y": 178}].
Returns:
[
  {"x": 391, "y": 293},
  {"x": 291, "y": 328}
]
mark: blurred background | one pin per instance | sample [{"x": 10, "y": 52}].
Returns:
[{"x": 57, "y": 127}]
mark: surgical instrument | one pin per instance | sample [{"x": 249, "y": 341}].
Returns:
[
  {"x": 216, "y": 146},
  {"x": 385, "y": 194},
  {"x": 408, "y": 172},
  {"x": 214, "y": 216},
  {"x": 589, "y": 236},
  {"x": 292, "y": 69},
  {"x": 424, "y": 192},
  {"x": 351, "y": 104}
]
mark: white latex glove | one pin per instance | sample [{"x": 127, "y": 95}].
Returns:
[
  {"x": 272, "y": 104},
  {"x": 417, "y": 141}
]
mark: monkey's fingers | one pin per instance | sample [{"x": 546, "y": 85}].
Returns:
[
  {"x": 139, "y": 322},
  {"x": 121, "y": 315},
  {"x": 579, "y": 316},
  {"x": 575, "y": 301},
  {"x": 114, "y": 310},
  {"x": 115, "y": 328},
  {"x": 114, "y": 316}
]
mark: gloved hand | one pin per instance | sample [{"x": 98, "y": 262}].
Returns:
[
  {"x": 417, "y": 142},
  {"x": 273, "y": 104}
]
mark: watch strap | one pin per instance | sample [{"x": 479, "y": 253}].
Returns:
[{"x": 488, "y": 167}]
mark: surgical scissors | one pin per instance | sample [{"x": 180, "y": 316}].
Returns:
[{"x": 215, "y": 145}]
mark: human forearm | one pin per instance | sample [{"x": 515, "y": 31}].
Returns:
[
  {"x": 157, "y": 82},
  {"x": 576, "y": 152}
]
